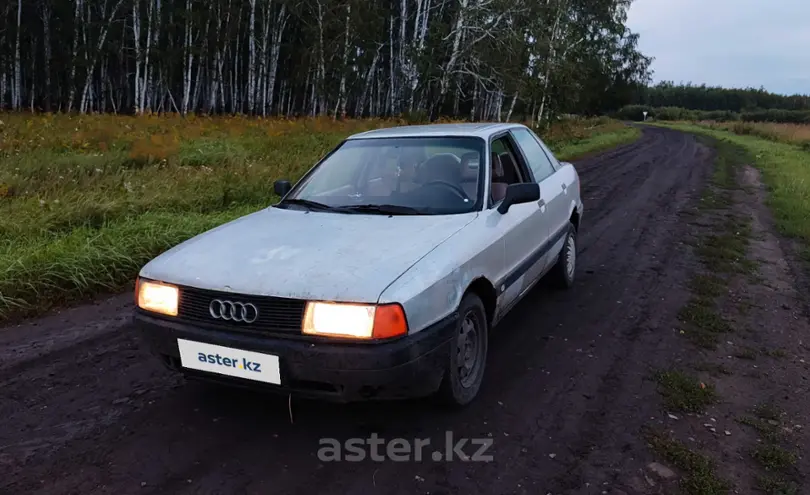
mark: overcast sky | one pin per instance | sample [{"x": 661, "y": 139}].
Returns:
[{"x": 732, "y": 43}]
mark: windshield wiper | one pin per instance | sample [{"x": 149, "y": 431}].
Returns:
[
  {"x": 383, "y": 209},
  {"x": 313, "y": 205}
]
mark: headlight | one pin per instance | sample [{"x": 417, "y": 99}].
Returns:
[
  {"x": 359, "y": 321},
  {"x": 157, "y": 297}
]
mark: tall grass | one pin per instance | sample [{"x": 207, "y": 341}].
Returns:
[
  {"x": 798, "y": 134},
  {"x": 86, "y": 201}
]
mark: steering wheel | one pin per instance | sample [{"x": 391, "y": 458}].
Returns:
[{"x": 458, "y": 191}]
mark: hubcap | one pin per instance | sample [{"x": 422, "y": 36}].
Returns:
[
  {"x": 570, "y": 257},
  {"x": 468, "y": 350}
]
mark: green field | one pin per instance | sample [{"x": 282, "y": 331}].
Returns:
[{"x": 86, "y": 201}]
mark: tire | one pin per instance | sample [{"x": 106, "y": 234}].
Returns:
[
  {"x": 462, "y": 379},
  {"x": 562, "y": 274}
]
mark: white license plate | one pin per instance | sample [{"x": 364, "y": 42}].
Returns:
[{"x": 229, "y": 361}]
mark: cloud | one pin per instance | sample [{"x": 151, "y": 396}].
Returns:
[{"x": 732, "y": 43}]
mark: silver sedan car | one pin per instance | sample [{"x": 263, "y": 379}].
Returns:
[{"x": 379, "y": 274}]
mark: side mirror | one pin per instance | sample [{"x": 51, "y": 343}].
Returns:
[
  {"x": 282, "y": 187},
  {"x": 519, "y": 193}
]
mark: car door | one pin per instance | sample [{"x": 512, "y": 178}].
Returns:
[
  {"x": 554, "y": 194},
  {"x": 522, "y": 229}
]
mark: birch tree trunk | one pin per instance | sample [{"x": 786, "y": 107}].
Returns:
[
  {"x": 366, "y": 90},
  {"x": 550, "y": 60},
  {"x": 17, "y": 97},
  {"x": 321, "y": 72},
  {"x": 392, "y": 77},
  {"x": 136, "y": 35},
  {"x": 46, "y": 41},
  {"x": 102, "y": 39},
  {"x": 458, "y": 31},
  {"x": 512, "y": 107},
  {"x": 251, "y": 83},
  {"x": 275, "y": 50},
  {"x": 144, "y": 86},
  {"x": 76, "y": 21},
  {"x": 261, "y": 90},
  {"x": 400, "y": 62},
  {"x": 340, "y": 108},
  {"x": 152, "y": 90},
  {"x": 188, "y": 60}
]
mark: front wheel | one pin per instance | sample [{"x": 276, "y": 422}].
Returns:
[
  {"x": 562, "y": 274},
  {"x": 468, "y": 354}
]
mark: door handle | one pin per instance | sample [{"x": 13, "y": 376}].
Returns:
[
  {"x": 564, "y": 187},
  {"x": 542, "y": 204}
]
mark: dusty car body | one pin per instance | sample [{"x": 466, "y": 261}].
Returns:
[{"x": 378, "y": 275}]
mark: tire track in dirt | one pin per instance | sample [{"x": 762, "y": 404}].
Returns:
[{"x": 563, "y": 397}]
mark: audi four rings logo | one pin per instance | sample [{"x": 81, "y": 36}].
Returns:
[{"x": 233, "y": 311}]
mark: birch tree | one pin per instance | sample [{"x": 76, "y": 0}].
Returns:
[{"x": 478, "y": 59}]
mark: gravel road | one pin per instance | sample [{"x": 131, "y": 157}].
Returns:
[{"x": 85, "y": 409}]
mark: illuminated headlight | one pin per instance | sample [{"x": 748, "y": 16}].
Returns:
[
  {"x": 358, "y": 321},
  {"x": 157, "y": 297}
]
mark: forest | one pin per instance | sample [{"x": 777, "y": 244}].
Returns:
[
  {"x": 715, "y": 98},
  {"x": 481, "y": 59},
  {"x": 668, "y": 101}
]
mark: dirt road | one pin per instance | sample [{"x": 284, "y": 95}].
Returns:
[{"x": 86, "y": 410}]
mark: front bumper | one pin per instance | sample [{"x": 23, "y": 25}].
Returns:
[{"x": 411, "y": 366}]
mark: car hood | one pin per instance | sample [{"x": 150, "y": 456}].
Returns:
[{"x": 305, "y": 255}]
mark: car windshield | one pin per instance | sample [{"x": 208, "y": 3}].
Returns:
[{"x": 427, "y": 176}]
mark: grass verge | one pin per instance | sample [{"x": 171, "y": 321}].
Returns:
[
  {"x": 721, "y": 247},
  {"x": 700, "y": 476},
  {"x": 597, "y": 143},
  {"x": 784, "y": 170},
  {"x": 722, "y": 250},
  {"x": 684, "y": 393}
]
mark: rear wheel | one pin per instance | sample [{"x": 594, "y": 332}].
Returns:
[
  {"x": 468, "y": 354},
  {"x": 562, "y": 274}
]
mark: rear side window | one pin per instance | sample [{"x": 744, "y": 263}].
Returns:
[{"x": 537, "y": 159}]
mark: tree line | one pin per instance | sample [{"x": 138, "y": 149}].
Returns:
[
  {"x": 667, "y": 101},
  {"x": 486, "y": 59},
  {"x": 714, "y": 98}
]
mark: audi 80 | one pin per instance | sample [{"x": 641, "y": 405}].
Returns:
[{"x": 379, "y": 274}]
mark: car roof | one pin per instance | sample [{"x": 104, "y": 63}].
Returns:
[{"x": 482, "y": 130}]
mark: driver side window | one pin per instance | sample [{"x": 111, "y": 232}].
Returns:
[{"x": 505, "y": 170}]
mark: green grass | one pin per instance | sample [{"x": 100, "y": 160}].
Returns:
[
  {"x": 684, "y": 393},
  {"x": 770, "y": 432},
  {"x": 747, "y": 353},
  {"x": 776, "y": 485},
  {"x": 767, "y": 411},
  {"x": 86, "y": 201},
  {"x": 774, "y": 458},
  {"x": 700, "y": 476},
  {"x": 721, "y": 245},
  {"x": 35, "y": 274},
  {"x": 775, "y": 353},
  {"x": 704, "y": 325},
  {"x": 708, "y": 285},
  {"x": 597, "y": 143},
  {"x": 725, "y": 252}
]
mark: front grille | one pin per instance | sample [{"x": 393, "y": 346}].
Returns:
[{"x": 275, "y": 314}]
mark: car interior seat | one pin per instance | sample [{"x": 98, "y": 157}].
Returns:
[
  {"x": 510, "y": 170},
  {"x": 470, "y": 171},
  {"x": 499, "y": 183}
]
